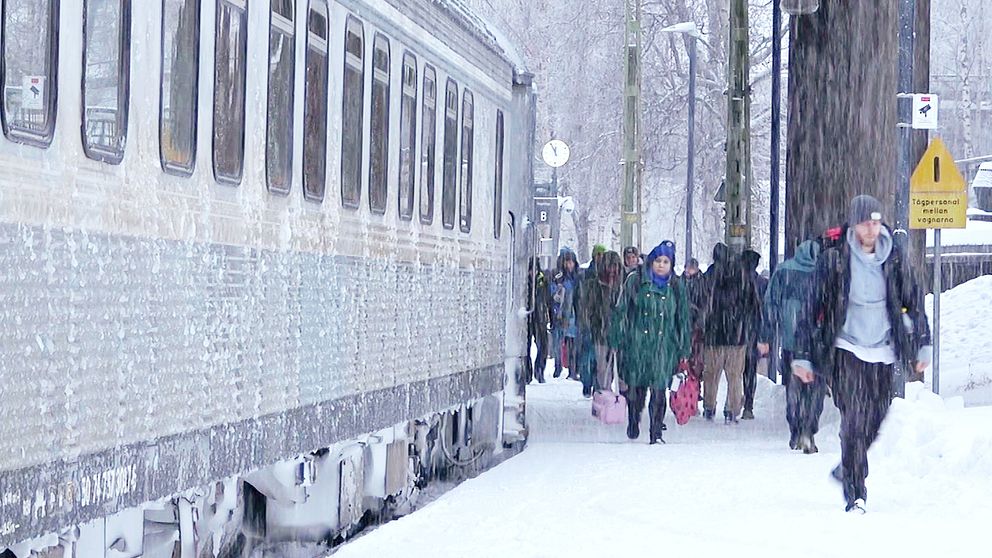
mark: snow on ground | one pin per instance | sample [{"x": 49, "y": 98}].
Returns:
[
  {"x": 975, "y": 233},
  {"x": 965, "y": 334},
  {"x": 581, "y": 489}
]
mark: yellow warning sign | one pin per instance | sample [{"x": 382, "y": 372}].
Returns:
[
  {"x": 938, "y": 194},
  {"x": 937, "y": 211}
]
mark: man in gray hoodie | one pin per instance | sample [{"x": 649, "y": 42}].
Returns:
[{"x": 864, "y": 315}]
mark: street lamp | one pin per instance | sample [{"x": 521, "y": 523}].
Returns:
[
  {"x": 800, "y": 7},
  {"x": 689, "y": 29}
]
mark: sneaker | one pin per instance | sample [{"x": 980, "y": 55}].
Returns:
[
  {"x": 729, "y": 418},
  {"x": 808, "y": 445},
  {"x": 856, "y": 507},
  {"x": 748, "y": 415},
  {"x": 656, "y": 440},
  {"x": 708, "y": 415},
  {"x": 663, "y": 427},
  {"x": 794, "y": 442}
]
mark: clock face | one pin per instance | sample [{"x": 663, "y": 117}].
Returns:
[{"x": 555, "y": 153}]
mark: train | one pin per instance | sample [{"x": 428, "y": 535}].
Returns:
[{"x": 262, "y": 266}]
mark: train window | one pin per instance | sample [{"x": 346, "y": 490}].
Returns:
[
  {"x": 279, "y": 110},
  {"x": 379, "y": 136},
  {"x": 498, "y": 182},
  {"x": 468, "y": 163},
  {"x": 352, "y": 116},
  {"x": 428, "y": 146},
  {"x": 29, "y": 72},
  {"x": 231, "y": 55},
  {"x": 315, "y": 104},
  {"x": 179, "y": 85},
  {"x": 408, "y": 135},
  {"x": 450, "y": 168},
  {"x": 106, "y": 68}
]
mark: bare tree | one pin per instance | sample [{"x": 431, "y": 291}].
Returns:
[{"x": 575, "y": 50}]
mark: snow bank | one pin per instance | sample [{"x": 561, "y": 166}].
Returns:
[
  {"x": 928, "y": 437},
  {"x": 976, "y": 233},
  {"x": 966, "y": 350}
]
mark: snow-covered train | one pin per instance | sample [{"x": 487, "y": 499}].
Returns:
[{"x": 259, "y": 265}]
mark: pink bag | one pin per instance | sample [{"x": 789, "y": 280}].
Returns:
[
  {"x": 609, "y": 407},
  {"x": 685, "y": 400}
]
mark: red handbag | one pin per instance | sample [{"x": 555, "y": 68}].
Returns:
[{"x": 684, "y": 401}]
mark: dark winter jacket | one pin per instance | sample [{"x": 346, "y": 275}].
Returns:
[
  {"x": 650, "y": 329},
  {"x": 788, "y": 291},
  {"x": 731, "y": 308},
  {"x": 749, "y": 261},
  {"x": 695, "y": 294},
  {"x": 599, "y": 297},
  {"x": 826, "y": 309},
  {"x": 565, "y": 295},
  {"x": 538, "y": 299}
]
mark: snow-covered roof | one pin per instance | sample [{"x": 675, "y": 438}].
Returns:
[{"x": 484, "y": 30}]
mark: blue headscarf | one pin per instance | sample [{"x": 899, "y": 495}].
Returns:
[{"x": 666, "y": 248}]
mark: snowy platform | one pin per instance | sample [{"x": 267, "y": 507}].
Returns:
[{"x": 582, "y": 489}]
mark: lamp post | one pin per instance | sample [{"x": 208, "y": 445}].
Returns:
[{"x": 690, "y": 30}]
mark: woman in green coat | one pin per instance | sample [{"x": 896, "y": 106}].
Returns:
[{"x": 651, "y": 330}]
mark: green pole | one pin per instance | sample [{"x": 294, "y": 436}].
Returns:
[
  {"x": 630, "y": 205},
  {"x": 738, "y": 181}
]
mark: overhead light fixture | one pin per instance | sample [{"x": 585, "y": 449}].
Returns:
[{"x": 800, "y": 7}]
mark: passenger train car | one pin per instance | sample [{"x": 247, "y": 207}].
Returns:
[{"x": 259, "y": 265}]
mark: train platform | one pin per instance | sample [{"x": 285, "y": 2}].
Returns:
[{"x": 582, "y": 489}]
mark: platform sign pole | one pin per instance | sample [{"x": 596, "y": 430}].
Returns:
[
  {"x": 938, "y": 199},
  {"x": 937, "y": 272}
]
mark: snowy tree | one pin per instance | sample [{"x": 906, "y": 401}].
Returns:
[
  {"x": 575, "y": 51},
  {"x": 961, "y": 59}
]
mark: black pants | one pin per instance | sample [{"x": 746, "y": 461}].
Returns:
[
  {"x": 862, "y": 391},
  {"x": 538, "y": 336},
  {"x": 750, "y": 377},
  {"x": 657, "y": 407},
  {"x": 803, "y": 402}
]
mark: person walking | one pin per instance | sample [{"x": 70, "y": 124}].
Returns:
[
  {"x": 599, "y": 298},
  {"x": 730, "y": 302},
  {"x": 865, "y": 314},
  {"x": 692, "y": 278},
  {"x": 750, "y": 260},
  {"x": 790, "y": 287},
  {"x": 564, "y": 294},
  {"x": 538, "y": 310},
  {"x": 650, "y": 328},
  {"x": 631, "y": 259},
  {"x": 585, "y": 367}
]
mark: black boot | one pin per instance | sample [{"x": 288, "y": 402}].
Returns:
[
  {"x": 794, "y": 441},
  {"x": 838, "y": 473},
  {"x": 633, "y": 431},
  {"x": 633, "y": 419}
]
